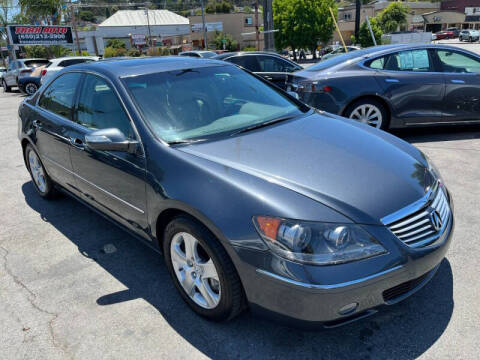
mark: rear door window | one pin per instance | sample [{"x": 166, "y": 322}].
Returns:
[
  {"x": 410, "y": 60},
  {"x": 248, "y": 62}
]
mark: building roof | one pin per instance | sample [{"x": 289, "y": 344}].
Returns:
[{"x": 139, "y": 18}]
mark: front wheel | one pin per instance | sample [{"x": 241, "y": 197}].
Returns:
[
  {"x": 368, "y": 111},
  {"x": 202, "y": 271},
  {"x": 6, "y": 88}
]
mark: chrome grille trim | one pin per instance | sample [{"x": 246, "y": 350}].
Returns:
[{"x": 413, "y": 224}]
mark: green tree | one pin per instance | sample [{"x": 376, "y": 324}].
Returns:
[
  {"x": 364, "y": 37},
  {"x": 223, "y": 7},
  {"x": 302, "y": 23},
  {"x": 48, "y": 52},
  {"x": 116, "y": 44},
  {"x": 220, "y": 38},
  {"x": 393, "y": 17},
  {"x": 87, "y": 15},
  {"x": 46, "y": 10}
]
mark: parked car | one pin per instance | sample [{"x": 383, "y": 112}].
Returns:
[
  {"x": 29, "y": 84},
  {"x": 469, "y": 35},
  {"x": 247, "y": 191},
  {"x": 2, "y": 71},
  {"x": 18, "y": 69},
  {"x": 455, "y": 31},
  {"x": 270, "y": 66},
  {"x": 401, "y": 85},
  {"x": 58, "y": 64},
  {"x": 444, "y": 34},
  {"x": 199, "y": 53},
  {"x": 338, "y": 51}
]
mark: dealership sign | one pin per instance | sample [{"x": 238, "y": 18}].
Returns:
[
  {"x": 40, "y": 35},
  {"x": 211, "y": 26}
]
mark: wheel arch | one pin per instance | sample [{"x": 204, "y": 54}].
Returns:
[{"x": 377, "y": 97}]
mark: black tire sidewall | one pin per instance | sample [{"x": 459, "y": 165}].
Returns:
[
  {"x": 49, "y": 192},
  {"x": 370, "y": 101},
  {"x": 186, "y": 224}
]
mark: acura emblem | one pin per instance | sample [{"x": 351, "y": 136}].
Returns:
[{"x": 436, "y": 220}]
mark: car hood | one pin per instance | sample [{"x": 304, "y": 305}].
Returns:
[{"x": 363, "y": 173}]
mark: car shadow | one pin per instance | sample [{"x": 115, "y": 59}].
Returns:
[
  {"x": 438, "y": 133},
  {"x": 402, "y": 331}
]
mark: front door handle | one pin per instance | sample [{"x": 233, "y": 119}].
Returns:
[
  {"x": 78, "y": 143},
  {"x": 36, "y": 124},
  {"x": 390, "y": 80},
  {"x": 456, "y": 81}
]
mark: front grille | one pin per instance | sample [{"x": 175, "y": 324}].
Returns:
[
  {"x": 399, "y": 290},
  {"x": 422, "y": 225}
]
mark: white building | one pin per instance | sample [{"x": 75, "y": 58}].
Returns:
[{"x": 166, "y": 29}]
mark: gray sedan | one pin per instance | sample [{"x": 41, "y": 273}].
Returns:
[
  {"x": 395, "y": 86},
  {"x": 246, "y": 191}
]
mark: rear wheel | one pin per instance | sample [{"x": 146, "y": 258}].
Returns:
[
  {"x": 31, "y": 88},
  {"x": 6, "y": 88},
  {"x": 368, "y": 111},
  {"x": 202, "y": 271},
  {"x": 42, "y": 182}
]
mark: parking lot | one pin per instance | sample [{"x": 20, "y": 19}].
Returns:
[{"x": 74, "y": 286}]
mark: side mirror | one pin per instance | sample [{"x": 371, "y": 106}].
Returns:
[
  {"x": 294, "y": 94},
  {"x": 110, "y": 140}
]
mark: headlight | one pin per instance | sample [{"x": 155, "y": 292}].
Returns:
[{"x": 317, "y": 243}]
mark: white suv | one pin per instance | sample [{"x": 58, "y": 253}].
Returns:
[
  {"x": 469, "y": 35},
  {"x": 58, "y": 64}
]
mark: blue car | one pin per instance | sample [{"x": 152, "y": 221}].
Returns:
[{"x": 255, "y": 200}]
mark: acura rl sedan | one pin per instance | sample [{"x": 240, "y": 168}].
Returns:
[
  {"x": 254, "y": 199},
  {"x": 395, "y": 86}
]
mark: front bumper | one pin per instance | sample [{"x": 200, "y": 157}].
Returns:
[{"x": 283, "y": 290}]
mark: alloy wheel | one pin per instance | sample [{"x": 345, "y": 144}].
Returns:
[
  {"x": 195, "y": 270},
  {"x": 38, "y": 174},
  {"x": 367, "y": 114},
  {"x": 31, "y": 88}
]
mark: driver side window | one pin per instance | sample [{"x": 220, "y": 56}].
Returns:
[
  {"x": 455, "y": 62},
  {"x": 99, "y": 108}
]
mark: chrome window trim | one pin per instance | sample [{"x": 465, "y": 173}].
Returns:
[
  {"x": 326, "y": 287},
  {"x": 92, "y": 184}
]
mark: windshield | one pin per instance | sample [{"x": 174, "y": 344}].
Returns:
[
  {"x": 36, "y": 63},
  {"x": 208, "y": 54},
  {"x": 322, "y": 65},
  {"x": 197, "y": 103}
]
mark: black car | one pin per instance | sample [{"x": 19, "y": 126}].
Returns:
[
  {"x": 270, "y": 66},
  {"x": 29, "y": 84},
  {"x": 247, "y": 191},
  {"x": 394, "y": 86}
]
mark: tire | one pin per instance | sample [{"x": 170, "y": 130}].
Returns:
[
  {"x": 30, "y": 88},
  {"x": 225, "y": 297},
  {"x": 470, "y": 39},
  {"x": 6, "y": 88},
  {"x": 354, "y": 111},
  {"x": 41, "y": 181}
]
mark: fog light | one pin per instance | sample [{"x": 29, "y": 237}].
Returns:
[{"x": 348, "y": 309}]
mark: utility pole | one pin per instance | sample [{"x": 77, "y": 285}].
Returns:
[
  {"x": 204, "y": 28},
  {"x": 74, "y": 25},
  {"x": 268, "y": 33},
  {"x": 149, "y": 31},
  {"x": 257, "y": 32},
  {"x": 358, "y": 7}
]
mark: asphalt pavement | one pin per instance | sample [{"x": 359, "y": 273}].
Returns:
[{"x": 74, "y": 286}]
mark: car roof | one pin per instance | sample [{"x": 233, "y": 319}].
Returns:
[
  {"x": 243, "y": 53},
  {"x": 30, "y": 59},
  {"x": 148, "y": 65}
]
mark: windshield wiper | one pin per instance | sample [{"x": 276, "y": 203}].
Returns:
[
  {"x": 264, "y": 124},
  {"x": 185, "y": 141}
]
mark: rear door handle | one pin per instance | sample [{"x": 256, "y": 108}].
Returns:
[
  {"x": 456, "y": 81},
  {"x": 390, "y": 80},
  {"x": 78, "y": 143}
]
